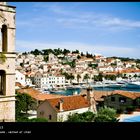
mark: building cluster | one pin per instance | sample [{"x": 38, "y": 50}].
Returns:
[
  {"x": 34, "y": 70},
  {"x": 57, "y": 108}
]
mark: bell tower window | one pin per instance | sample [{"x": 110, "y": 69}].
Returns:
[{"x": 4, "y": 38}]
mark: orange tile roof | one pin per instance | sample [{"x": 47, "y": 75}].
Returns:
[
  {"x": 70, "y": 102},
  {"x": 37, "y": 94},
  {"x": 111, "y": 73},
  {"x": 98, "y": 95},
  {"x": 130, "y": 70},
  {"x": 131, "y": 95}
]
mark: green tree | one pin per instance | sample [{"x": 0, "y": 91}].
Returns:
[
  {"x": 71, "y": 77},
  {"x": 24, "y": 102},
  {"x": 77, "y": 51},
  {"x": 124, "y": 76},
  {"x": 68, "y": 76},
  {"x": 110, "y": 77},
  {"x": 65, "y": 51},
  {"x": 25, "y": 119},
  {"x": 24, "y": 53},
  {"x": 86, "y": 77},
  {"x": 36, "y": 52},
  {"x": 106, "y": 114},
  {"x": 46, "y": 57},
  {"x": 38, "y": 120},
  {"x": 82, "y": 54},
  {"x": 21, "y": 118},
  {"x": 135, "y": 76},
  {"x": 57, "y": 51},
  {"x": 78, "y": 56},
  {"x": 73, "y": 64},
  {"x": 78, "y": 77},
  {"x": 98, "y": 77},
  {"x": 75, "y": 118},
  {"x": 89, "y": 55},
  {"x": 83, "y": 117}
]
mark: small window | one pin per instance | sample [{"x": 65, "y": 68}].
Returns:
[
  {"x": 50, "y": 117},
  {"x": 113, "y": 99},
  {"x": 122, "y": 100}
]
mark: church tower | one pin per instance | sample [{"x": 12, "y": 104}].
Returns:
[{"x": 7, "y": 62}]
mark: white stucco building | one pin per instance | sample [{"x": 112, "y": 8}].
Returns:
[
  {"x": 28, "y": 81},
  {"x": 46, "y": 80},
  {"x": 20, "y": 77}
]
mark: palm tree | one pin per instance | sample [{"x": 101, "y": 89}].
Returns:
[
  {"x": 86, "y": 76},
  {"x": 135, "y": 76},
  {"x": 78, "y": 77},
  {"x": 71, "y": 77}
]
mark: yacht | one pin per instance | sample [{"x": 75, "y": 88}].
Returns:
[{"x": 133, "y": 84}]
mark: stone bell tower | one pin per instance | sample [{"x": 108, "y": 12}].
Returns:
[
  {"x": 7, "y": 62},
  {"x": 91, "y": 99}
]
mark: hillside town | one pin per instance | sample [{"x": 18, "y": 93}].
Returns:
[
  {"x": 71, "y": 68},
  {"x": 43, "y": 80}
]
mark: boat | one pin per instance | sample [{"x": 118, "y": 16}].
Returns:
[
  {"x": 117, "y": 85},
  {"x": 71, "y": 87},
  {"x": 132, "y": 84},
  {"x": 56, "y": 91}
]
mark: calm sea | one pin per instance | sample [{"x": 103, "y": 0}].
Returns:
[{"x": 78, "y": 90}]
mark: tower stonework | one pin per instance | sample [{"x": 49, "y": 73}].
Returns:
[{"x": 7, "y": 62}]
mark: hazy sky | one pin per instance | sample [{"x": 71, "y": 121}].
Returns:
[{"x": 107, "y": 28}]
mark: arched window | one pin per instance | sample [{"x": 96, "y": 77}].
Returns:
[
  {"x": 4, "y": 38},
  {"x": 2, "y": 82}
]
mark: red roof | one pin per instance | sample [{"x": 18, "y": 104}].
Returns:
[
  {"x": 37, "y": 94},
  {"x": 69, "y": 102}
]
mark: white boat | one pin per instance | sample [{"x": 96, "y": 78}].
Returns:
[
  {"x": 56, "y": 91},
  {"x": 133, "y": 84}
]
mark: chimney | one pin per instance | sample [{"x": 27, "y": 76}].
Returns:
[{"x": 60, "y": 104}]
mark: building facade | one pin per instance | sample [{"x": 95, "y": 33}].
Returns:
[
  {"x": 58, "y": 109},
  {"x": 7, "y": 62},
  {"x": 46, "y": 80},
  {"x": 20, "y": 77}
]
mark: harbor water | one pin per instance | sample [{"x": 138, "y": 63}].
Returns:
[{"x": 78, "y": 90}]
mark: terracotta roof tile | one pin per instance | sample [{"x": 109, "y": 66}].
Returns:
[
  {"x": 70, "y": 102},
  {"x": 98, "y": 95},
  {"x": 37, "y": 94},
  {"x": 132, "y": 95}
]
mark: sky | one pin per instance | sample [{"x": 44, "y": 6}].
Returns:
[{"x": 107, "y": 28}]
